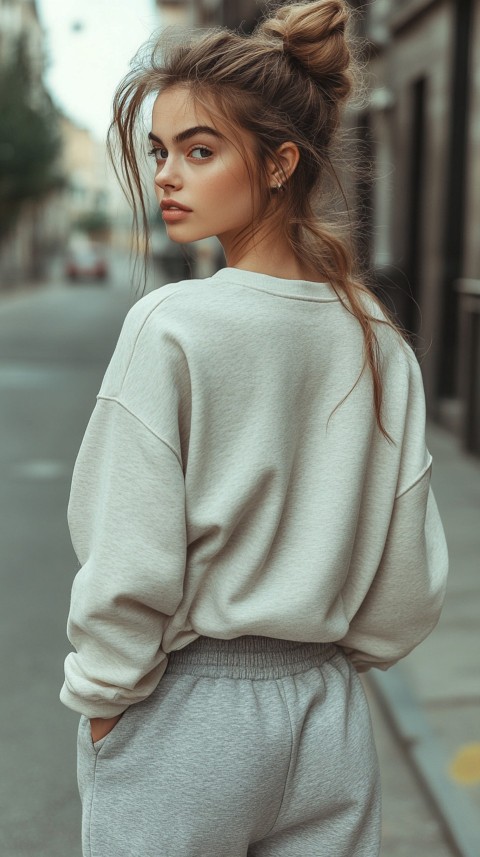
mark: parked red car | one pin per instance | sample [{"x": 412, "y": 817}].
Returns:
[{"x": 86, "y": 262}]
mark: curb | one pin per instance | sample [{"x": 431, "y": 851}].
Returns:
[
  {"x": 8, "y": 295},
  {"x": 456, "y": 813}
]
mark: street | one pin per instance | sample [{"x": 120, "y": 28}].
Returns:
[
  {"x": 55, "y": 344},
  {"x": 54, "y": 348}
]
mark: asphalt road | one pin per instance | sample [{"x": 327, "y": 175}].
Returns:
[{"x": 54, "y": 347}]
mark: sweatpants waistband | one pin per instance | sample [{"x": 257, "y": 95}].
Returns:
[{"x": 249, "y": 657}]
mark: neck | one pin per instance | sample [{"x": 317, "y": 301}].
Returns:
[{"x": 269, "y": 255}]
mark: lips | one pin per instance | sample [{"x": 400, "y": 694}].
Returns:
[{"x": 169, "y": 205}]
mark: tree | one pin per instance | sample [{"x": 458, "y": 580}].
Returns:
[
  {"x": 29, "y": 139},
  {"x": 95, "y": 223}
]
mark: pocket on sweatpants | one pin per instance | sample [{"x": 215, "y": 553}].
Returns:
[{"x": 85, "y": 734}]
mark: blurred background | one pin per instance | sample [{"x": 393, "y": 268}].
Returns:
[{"x": 65, "y": 288}]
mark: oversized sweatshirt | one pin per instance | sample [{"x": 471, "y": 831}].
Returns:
[{"x": 233, "y": 480}]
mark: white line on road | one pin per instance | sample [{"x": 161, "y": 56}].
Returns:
[{"x": 41, "y": 469}]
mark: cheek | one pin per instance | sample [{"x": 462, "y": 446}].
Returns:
[{"x": 227, "y": 191}]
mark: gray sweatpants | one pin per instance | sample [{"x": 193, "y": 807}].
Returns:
[{"x": 252, "y": 747}]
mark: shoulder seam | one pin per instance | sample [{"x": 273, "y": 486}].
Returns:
[
  {"x": 144, "y": 322},
  {"x": 160, "y": 301},
  {"x": 142, "y": 422}
]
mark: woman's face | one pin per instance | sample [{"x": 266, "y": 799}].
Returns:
[{"x": 200, "y": 169}]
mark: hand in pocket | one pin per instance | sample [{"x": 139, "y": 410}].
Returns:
[{"x": 100, "y": 726}]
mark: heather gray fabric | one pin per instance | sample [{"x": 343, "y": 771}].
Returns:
[{"x": 251, "y": 747}]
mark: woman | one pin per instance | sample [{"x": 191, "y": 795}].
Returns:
[{"x": 251, "y": 503}]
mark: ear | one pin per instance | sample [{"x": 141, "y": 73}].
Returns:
[{"x": 288, "y": 156}]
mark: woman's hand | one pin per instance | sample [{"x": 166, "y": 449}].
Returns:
[{"x": 100, "y": 726}]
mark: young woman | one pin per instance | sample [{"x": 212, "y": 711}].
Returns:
[{"x": 251, "y": 503}]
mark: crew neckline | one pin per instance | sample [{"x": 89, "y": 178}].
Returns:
[{"x": 305, "y": 289}]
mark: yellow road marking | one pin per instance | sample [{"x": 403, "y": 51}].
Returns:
[{"x": 465, "y": 765}]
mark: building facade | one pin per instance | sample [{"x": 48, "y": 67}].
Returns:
[
  {"x": 422, "y": 124},
  {"x": 85, "y": 169}
]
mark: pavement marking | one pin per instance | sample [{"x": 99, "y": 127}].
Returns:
[
  {"x": 41, "y": 468},
  {"x": 465, "y": 765},
  {"x": 455, "y": 811},
  {"x": 28, "y": 375}
]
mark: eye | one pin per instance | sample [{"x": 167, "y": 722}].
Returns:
[
  {"x": 202, "y": 149},
  {"x": 157, "y": 154}
]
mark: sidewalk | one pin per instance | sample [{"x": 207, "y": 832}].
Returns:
[{"x": 432, "y": 697}]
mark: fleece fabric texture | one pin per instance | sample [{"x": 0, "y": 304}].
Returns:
[
  {"x": 251, "y": 746},
  {"x": 233, "y": 481}
]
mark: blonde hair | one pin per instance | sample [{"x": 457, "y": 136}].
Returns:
[{"x": 286, "y": 82}]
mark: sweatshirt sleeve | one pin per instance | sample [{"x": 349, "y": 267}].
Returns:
[
  {"x": 127, "y": 523},
  {"x": 402, "y": 602}
]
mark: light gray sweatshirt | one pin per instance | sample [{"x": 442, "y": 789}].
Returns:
[{"x": 220, "y": 491}]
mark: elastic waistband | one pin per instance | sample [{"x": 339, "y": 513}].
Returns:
[{"x": 248, "y": 657}]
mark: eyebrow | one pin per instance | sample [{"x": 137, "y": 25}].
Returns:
[{"x": 189, "y": 132}]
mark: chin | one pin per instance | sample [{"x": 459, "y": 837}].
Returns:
[
  {"x": 186, "y": 236},
  {"x": 178, "y": 239}
]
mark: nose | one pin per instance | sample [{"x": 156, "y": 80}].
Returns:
[{"x": 168, "y": 176}]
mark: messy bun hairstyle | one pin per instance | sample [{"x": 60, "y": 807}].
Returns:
[
  {"x": 313, "y": 37},
  {"x": 287, "y": 81}
]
